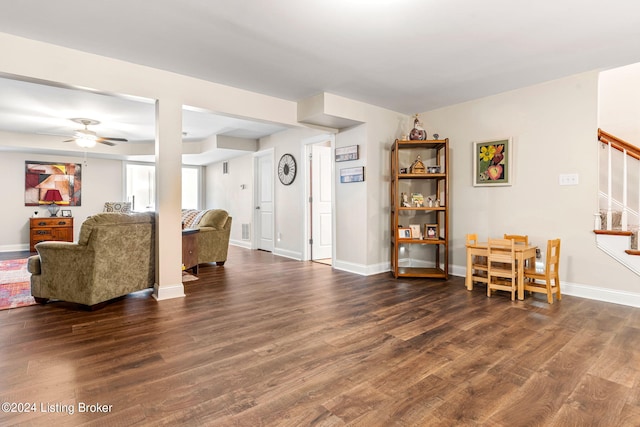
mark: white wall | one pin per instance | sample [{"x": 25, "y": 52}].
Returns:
[
  {"x": 101, "y": 182},
  {"x": 224, "y": 191},
  {"x": 289, "y": 199},
  {"x": 553, "y": 126},
  {"x": 619, "y": 102}
]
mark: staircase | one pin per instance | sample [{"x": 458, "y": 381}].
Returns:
[{"x": 616, "y": 223}]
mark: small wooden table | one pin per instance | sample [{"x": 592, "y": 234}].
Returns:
[
  {"x": 190, "y": 249},
  {"x": 523, "y": 253}
]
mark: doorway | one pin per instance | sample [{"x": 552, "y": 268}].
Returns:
[{"x": 320, "y": 200}]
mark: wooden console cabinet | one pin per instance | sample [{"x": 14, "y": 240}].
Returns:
[{"x": 52, "y": 228}]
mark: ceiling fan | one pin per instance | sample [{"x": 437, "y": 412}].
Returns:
[{"x": 86, "y": 138}]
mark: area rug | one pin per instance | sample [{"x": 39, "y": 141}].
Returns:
[
  {"x": 15, "y": 286},
  {"x": 186, "y": 277}
]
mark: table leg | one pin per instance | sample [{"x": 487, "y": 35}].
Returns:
[
  {"x": 521, "y": 276},
  {"x": 469, "y": 278}
]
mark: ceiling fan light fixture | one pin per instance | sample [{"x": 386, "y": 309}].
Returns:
[{"x": 85, "y": 139}]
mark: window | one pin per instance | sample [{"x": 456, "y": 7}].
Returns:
[{"x": 140, "y": 186}]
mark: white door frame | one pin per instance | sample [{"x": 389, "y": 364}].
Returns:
[
  {"x": 256, "y": 232},
  {"x": 306, "y": 150}
]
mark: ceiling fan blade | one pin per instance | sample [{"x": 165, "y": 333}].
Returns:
[
  {"x": 113, "y": 139},
  {"x": 69, "y": 140},
  {"x": 102, "y": 141}
]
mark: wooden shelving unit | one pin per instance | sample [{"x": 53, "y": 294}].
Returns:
[{"x": 420, "y": 257}]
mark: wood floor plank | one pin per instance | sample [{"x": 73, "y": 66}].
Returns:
[{"x": 269, "y": 341}]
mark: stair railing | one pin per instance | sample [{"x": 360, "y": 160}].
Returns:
[{"x": 629, "y": 151}]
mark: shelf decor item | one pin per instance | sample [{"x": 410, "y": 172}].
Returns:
[
  {"x": 404, "y": 233},
  {"x": 431, "y": 231},
  {"x": 416, "y": 232},
  {"x": 417, "y": 166},
  {"x": 417, "y": 133},
  {"x": 492, "y": 165},
  {"x": 417, "y": 200}
]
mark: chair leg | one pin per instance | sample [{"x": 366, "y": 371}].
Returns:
[
  {"x": 556, "y": 280},
  {"x": 549, "y": 293}
]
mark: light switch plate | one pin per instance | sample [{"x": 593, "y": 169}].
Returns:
[{"x": 568, "y": 179}]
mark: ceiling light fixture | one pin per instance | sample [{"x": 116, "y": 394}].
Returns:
[{"x": 85, "y": 138}]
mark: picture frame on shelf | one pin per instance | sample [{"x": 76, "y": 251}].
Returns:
[
  {"x": 66, "y": 213},
  {"x": 344, "y": 154},
  {"x": 431, "y": 231},
  {"x": 492, "y": 162},
  {"x": 416, "y": 232},
  {"x": 404, "y": 233},
  {"x": 417, "y": 200}
]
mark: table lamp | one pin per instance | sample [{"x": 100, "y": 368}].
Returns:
[{"x": 53, "y": 196}]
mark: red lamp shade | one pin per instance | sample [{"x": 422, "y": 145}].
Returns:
[{"x": 53, "y": 196}]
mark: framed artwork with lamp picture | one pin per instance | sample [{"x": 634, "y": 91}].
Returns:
[{"x": 52, "y": 185}]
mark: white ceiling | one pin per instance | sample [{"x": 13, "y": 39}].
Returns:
[{"x": 406, "y": 55}]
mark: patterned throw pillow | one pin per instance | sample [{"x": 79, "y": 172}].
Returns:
[
  {"x": 188, "y": 217},
  {"x": 124, "y": 207}
]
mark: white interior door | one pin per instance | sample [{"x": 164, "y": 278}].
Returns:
[
  {"x": 264, "y": 205},
  {"x": 321, "y": 202}
]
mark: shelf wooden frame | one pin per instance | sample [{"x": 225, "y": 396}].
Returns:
[{"x": 439, "y": 151}]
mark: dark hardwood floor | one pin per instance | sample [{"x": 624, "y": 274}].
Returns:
[{"x": 267, "y": 341}]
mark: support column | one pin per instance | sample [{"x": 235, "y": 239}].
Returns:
[{"x": 168, "y": 150}]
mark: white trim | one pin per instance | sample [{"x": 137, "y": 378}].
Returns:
[
  {"x": 15, "y": 248},
  {"x": 615, "y": 247},
  {"x": 240, "y": 243},
  {"x": 362, "y": 269},
  {"x": 631, "y": 299},
  {"x": 288, "y": 254},
  {"x": 600, "y": 294},
  {"x": 168, "y": 292}
]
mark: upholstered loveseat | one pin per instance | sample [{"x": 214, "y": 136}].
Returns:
[
  {"x": 214, "y": 227},
  {"x": 114, "y": 256}
]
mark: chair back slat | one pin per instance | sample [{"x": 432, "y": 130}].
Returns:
[{"x": 518, "y": 238}]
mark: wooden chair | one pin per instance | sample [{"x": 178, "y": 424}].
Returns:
[
  {"x": 479, "y": 264},
  {"x": 548, "y": 275},
  {"x": 518, "y": 239},
  {"x": 501, "y": 262}
]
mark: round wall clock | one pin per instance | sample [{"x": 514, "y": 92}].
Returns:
[{"x": 287, "y": 169}]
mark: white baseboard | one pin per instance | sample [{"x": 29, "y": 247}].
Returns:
[
  {"x": 361, "y": 269},
  {"x": 168, "y": 292},
  {"x": 288, "y": 254},
  {"x": 631, "y": 299},
  {"x": 15, "y": 248},
  {"x": 241, "y": 243}
]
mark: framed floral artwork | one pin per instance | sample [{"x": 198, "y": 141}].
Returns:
[{"x": 492, "y": 165}]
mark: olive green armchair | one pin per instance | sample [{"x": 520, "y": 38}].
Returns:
[
  {"x": 114, "y": 256},
  {"x": 214, "y": 227}
]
